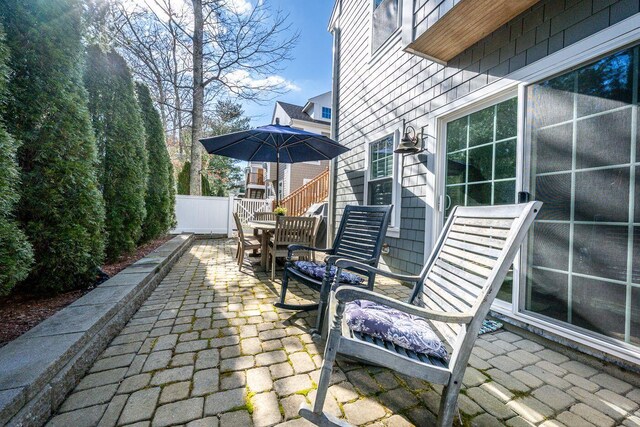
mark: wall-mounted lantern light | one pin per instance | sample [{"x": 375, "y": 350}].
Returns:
[{"x": 411, "y": 142}]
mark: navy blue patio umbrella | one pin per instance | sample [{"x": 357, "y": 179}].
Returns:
[{"x": 274, "y": 143}]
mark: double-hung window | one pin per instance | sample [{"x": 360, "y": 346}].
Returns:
[
  {"x": 382, "y": 186},
  {"x": 385, "y": 21}
]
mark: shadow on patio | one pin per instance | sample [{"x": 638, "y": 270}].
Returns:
[{"x": 208, "y": 348}]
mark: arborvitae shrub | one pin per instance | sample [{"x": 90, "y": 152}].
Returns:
[
  {"x": 60, "y": 208},
  {"x": 183, "y": 179},
  {"x": 16, "y": 255},
  {"x": 120, "y": 138},
  {"x": 183, "y": 182},
  {"x": 160, "y": 177}
]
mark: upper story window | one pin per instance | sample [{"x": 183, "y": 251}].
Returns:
[
  {"x": 326, "y": 112},
  {"x": 385, "y": 21}
]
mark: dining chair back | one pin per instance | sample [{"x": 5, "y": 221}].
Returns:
[
  {"x": 290, "y": 230},
  {"x": 244, "y": 243}
]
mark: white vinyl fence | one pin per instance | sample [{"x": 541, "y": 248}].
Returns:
[
  {"x": 214, "y": 215},
  {"x": 246, "y": 208},
  {"x": 204, "y": 215}
]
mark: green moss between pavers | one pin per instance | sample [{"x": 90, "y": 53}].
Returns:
[{"x": 517, "y": 394}]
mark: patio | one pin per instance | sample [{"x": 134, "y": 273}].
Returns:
[{"x": 208, "y": 348}]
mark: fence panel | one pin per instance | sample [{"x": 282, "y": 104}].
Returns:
[
  {"x": 246, "y": 208},
  {"x": 203, "y": 214}
]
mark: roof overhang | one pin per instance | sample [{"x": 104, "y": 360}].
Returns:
[{"x": 466, "y": 23}]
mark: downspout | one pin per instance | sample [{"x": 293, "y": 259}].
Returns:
[{"x": 333, "y": 165}]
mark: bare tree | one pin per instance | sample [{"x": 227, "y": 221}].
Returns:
[{"x": 192, "y": 53}]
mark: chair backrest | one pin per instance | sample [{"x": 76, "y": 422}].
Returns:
[
  {"x": 361, "y": 232},
  {"x": 264, "y": 216},
  {"x": 468, "y": 265},
  {"x": 238, "y": 222},
  {"x": 294, "y": 230}
]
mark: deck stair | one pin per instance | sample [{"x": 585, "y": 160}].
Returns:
[{"x": 314, "y": 191}]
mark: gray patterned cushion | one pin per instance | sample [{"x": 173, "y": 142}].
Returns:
[
  {"x": 317, "y": 269},
  {"x": 388, "y": 324}
]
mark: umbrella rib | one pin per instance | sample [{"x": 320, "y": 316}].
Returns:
[
  {"x": 254, "y": 153},
  {"x": 317, "y": 151},
  {"x": 327, "y": 141},
  {"x": 231, "y": 144}
]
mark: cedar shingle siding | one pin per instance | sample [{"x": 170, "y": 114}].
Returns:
[{"x": 374, "y": 91}]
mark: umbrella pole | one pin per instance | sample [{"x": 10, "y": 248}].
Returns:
[{"x": 277, "y": 178}]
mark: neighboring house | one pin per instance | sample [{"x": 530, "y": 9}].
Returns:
[
  {"x": 314, "y": 116},
  {"x": 518, "y": 98}
]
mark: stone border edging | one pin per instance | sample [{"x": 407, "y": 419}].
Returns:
[{"x": 40, "y": 367}]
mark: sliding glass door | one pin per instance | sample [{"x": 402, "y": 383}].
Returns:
[{"x": 583, "y": 257}]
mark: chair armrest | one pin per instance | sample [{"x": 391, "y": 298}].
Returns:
[
  {"x": 293, "y": 248},
  {"x": 350, "y": 293},
  {"x": 332, "y": 259},
  {"x": 347, "y": 263}
]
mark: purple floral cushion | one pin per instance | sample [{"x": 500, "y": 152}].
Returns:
[
  {"x": 403, "y": 329},
  {"x": 317, "y": 269}
]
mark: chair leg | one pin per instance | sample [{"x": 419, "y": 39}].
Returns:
[
  {"x": 325, "y": 290},
  {"x": 448, "y": 403},
  {"x": 285, "y": 284},
  {"x": 316, "y": 415},
  {"x": 241, "y": 258},
  {"x": 273, "y": 266}
]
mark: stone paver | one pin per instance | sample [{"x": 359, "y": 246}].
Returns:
[{"x": 208, "y": 349}]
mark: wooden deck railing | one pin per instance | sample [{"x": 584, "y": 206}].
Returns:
[{"x": 314, "y": 191}]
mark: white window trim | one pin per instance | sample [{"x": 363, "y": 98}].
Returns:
[
  {"x": 313, "y": 162},
  {"x": 396, "y": 198},
  {"x": 613, "y": 38}
]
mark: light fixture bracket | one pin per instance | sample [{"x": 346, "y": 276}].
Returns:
[{"x": 411, "y": 142}]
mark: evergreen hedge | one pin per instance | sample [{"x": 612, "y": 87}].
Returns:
[
  {"x": 183, "y": 182},
  {"x": 159, "y": 180},
  {"x": 60, "y": 208},
  {"x": 16, "y": 256},
  {"x": 120, "y": 138}
]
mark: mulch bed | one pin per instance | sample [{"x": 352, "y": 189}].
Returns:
[{"x": 21, "y": 311}]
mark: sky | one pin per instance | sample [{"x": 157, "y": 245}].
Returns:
[{"x": 309, "y": 73}]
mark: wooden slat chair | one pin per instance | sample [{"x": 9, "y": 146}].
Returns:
[
  {"x": 359, "y": 237},
  {"x": 454, "y": 293},
  {"x": 244, "y": 243},
  {"x": 262, "y": 216},
  {"x": 290, "y": 230}
]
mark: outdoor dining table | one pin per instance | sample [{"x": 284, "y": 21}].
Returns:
[{"x": 267, "y": 227}]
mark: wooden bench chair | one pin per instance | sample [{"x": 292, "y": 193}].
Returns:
[
  {"x": 360, "y": 236},
  {"x": 290, "y": 230},
  {"x": 454, "y": 293}
]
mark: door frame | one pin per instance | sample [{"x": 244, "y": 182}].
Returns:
[
  {"x": 606, "y": 41},
  {"x": 441, "y": 167}
]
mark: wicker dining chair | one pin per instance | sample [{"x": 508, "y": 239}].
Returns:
[
  {"x": 244, "y": 243},
  {"x": 290, "y": 230}
]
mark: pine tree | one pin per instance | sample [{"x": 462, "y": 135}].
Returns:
[
  {"x": 60, "y": 207},
  {"x": 16, "y": 256},
  {"x": 159, "y": 180},
  {"x": 120, "y": 138},
  {"x": 226, "y": 173}
]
